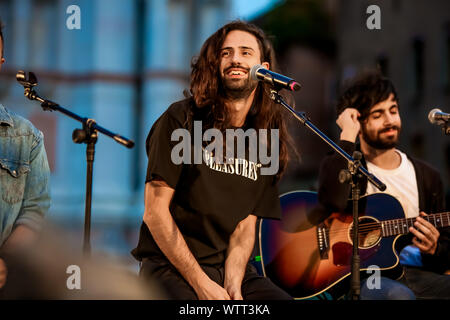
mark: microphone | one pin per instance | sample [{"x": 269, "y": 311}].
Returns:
[
  {"x": 277, "y": 80},
  {"x": 436, "y": 116},
  {"x": 28, "y": 80}
]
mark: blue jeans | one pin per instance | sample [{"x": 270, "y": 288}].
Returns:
[{"x": 388, "y": 289}]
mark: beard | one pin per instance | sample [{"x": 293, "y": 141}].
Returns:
[
  {"x": 236, "y": 89},
  {"x": 381, "y": 143}
]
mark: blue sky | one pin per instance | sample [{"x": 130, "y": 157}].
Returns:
[{"x": 247, "y": 9}]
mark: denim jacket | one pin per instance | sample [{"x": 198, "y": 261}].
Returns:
[{"x": 24, "y": 174}]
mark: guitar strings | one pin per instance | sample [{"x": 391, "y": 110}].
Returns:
[
  {"x": 365, "y": 228},
  {"x": 389, "y": 224}
]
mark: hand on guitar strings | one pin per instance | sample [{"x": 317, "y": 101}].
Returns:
[{"x": 426, "y": 235}]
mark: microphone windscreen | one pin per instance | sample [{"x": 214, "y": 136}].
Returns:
[
  {"x": 431, "y": 115},
  {"x": 20, "y": 76},
  {"x": 253, "y": 71}
]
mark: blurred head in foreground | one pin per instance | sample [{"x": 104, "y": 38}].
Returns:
[{"x": 52, "y": 268}]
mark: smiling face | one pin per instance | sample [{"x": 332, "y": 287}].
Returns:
[
  {"x": 239, "y": 53},
  {"x": 381, "y": 129}
]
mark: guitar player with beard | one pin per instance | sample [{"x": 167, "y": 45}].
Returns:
[{"x": 369, "y": 110}]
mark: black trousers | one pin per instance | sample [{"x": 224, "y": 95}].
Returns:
[
  {"x": 426, "y": 284},
  {"x": 254, "y": 286}
]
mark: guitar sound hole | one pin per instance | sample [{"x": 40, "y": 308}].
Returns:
[{"x": 369, "y": 232}]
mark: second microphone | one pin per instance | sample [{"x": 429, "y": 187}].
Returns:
[{"x": 277, "y": 80}]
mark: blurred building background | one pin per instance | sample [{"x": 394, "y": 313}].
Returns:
[{"x": 131, "y": 59}]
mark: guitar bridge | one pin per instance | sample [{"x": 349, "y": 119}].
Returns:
[{"x": 323, "y": 240}]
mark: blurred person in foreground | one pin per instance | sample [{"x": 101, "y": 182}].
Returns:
[{"x": 55, "y": 268}]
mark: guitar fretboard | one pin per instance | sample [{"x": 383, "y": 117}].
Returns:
[{"x": 401, "y": 226}]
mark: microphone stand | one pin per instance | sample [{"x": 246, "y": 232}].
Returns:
[
  {"x": 446, "y": 128},
  {"x": 352, "y": 176},
  {"x": 88, "y": 135}
]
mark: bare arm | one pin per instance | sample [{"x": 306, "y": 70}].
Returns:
[
  {"x": 22, "y": 236},
  {"x": 158, "y": 219},
  {"x": 3, "y": 273},
  {"x": 241, "y": 246}
]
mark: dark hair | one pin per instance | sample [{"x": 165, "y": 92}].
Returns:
[
  {"x": 206, "y": 87},
  {"x": 364, "y": 92}
]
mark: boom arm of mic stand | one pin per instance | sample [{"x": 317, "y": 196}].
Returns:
[
  {"x": 87, "y": 135},
  {"x": 301, "y": 116},
  {"x": 48, "y": 105}
]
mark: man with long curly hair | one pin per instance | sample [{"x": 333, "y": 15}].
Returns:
[{"x": 198, "y": 229}]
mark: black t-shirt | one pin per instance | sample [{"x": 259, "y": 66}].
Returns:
[{"x": 210, "y": 199}]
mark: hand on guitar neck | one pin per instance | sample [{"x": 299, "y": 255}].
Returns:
[
  {"x": 425, "y": 235},
  {"x": 308, "y": 261}
]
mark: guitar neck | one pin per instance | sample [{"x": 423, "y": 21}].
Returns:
[{"x": 401, "y": 226}]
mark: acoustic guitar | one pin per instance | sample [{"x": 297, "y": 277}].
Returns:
[{"x": 308, "y": 258}]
